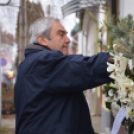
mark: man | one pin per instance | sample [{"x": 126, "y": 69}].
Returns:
[{"x": 49, "y": 87}]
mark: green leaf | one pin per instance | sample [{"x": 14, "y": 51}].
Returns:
[
  {"x": 131, "y": 113},
  {"x": 92, "y": 17},
  {"x": 108, "y": 105}
]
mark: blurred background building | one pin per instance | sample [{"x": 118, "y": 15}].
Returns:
[{"x": 82, "y": 19}]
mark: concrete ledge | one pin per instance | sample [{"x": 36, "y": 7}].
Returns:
[{"x": 106, "y": 120}]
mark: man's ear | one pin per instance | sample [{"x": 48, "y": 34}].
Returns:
[{"x": 42, "y": 41}]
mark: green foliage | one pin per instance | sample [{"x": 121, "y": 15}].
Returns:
[
  {"x": 107, "y": 87},
  {"x": 108, "y": 105},
  {"x": 121, "y": 31},
  {"x": 126, "y": 123},
  {"x": 3, "y": 130},
  {"x": 105, "y": 90}
]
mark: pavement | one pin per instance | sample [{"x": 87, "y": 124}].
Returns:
[
  {"x": 9, "y": 120},
  {"x": 96, "y": 122}
]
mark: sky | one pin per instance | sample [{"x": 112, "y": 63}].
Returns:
[{"x": 9, "y": 14}]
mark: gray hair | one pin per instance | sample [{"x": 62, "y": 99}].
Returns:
[{"x": 41, "y": 27}]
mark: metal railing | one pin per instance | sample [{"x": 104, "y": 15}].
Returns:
[
  {"x": 76, "y": 5},
  {"x": 5, "y": 4}
]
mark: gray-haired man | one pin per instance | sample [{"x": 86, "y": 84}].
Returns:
[{"x": 49, "y": 88}]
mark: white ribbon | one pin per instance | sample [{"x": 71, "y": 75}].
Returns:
[{"x": 118, "y": 120}]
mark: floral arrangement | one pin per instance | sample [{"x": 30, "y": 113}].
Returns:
[{"x": 121, "y": 92}]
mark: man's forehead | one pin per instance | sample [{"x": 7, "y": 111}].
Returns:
[
  {"x": 59, "y": 27},
  {"x": 62, "y": 30}
]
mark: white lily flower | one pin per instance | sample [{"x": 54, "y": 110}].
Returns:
[
  {"x": 120, "y": 54},
  {"x": 128, "y": 80},
  {"x": 126, "y": 83},
  {"x": 113, "y": 76},
  {"x": 108, "y": 99},
  {"x": 131, "y": 95},
  {"x": 130, "y": 64},
  {"x": 122, "y": 94},
  {"x": 129, "y": 108},
  {"x": 111, "y": 92},
  {"x": 115, "y": 108},
  {"x": 117, "y": 76},
  {"x": 111, "y": 67},
  {"x": 120, "y": 63},
  {"x": 118, "y": 68},
  {"x": 112, "y": 54},
  {"x": 125, "y": 87},
  {"x": 115, "y": 49},
  {"x": 116, "y": 98},
  {"x": 125, "y": 100}
]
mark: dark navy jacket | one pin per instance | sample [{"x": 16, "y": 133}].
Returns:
[{"x": 49, "y": 91}]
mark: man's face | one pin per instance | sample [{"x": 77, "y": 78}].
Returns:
[{"x": 59, "y": 40}]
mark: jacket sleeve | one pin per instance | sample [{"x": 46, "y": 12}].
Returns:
[{"x": 76, "y": 73}]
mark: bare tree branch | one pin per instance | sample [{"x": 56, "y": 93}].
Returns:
[{"x": 5, "y": 4}]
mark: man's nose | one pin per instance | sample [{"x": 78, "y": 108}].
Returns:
[{"x": 67, "y": 40}]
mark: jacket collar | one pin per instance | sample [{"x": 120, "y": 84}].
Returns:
[{"x": 36, "y": 46}]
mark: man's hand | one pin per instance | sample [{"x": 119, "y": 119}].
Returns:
[{"x": 111, "y": 59}]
